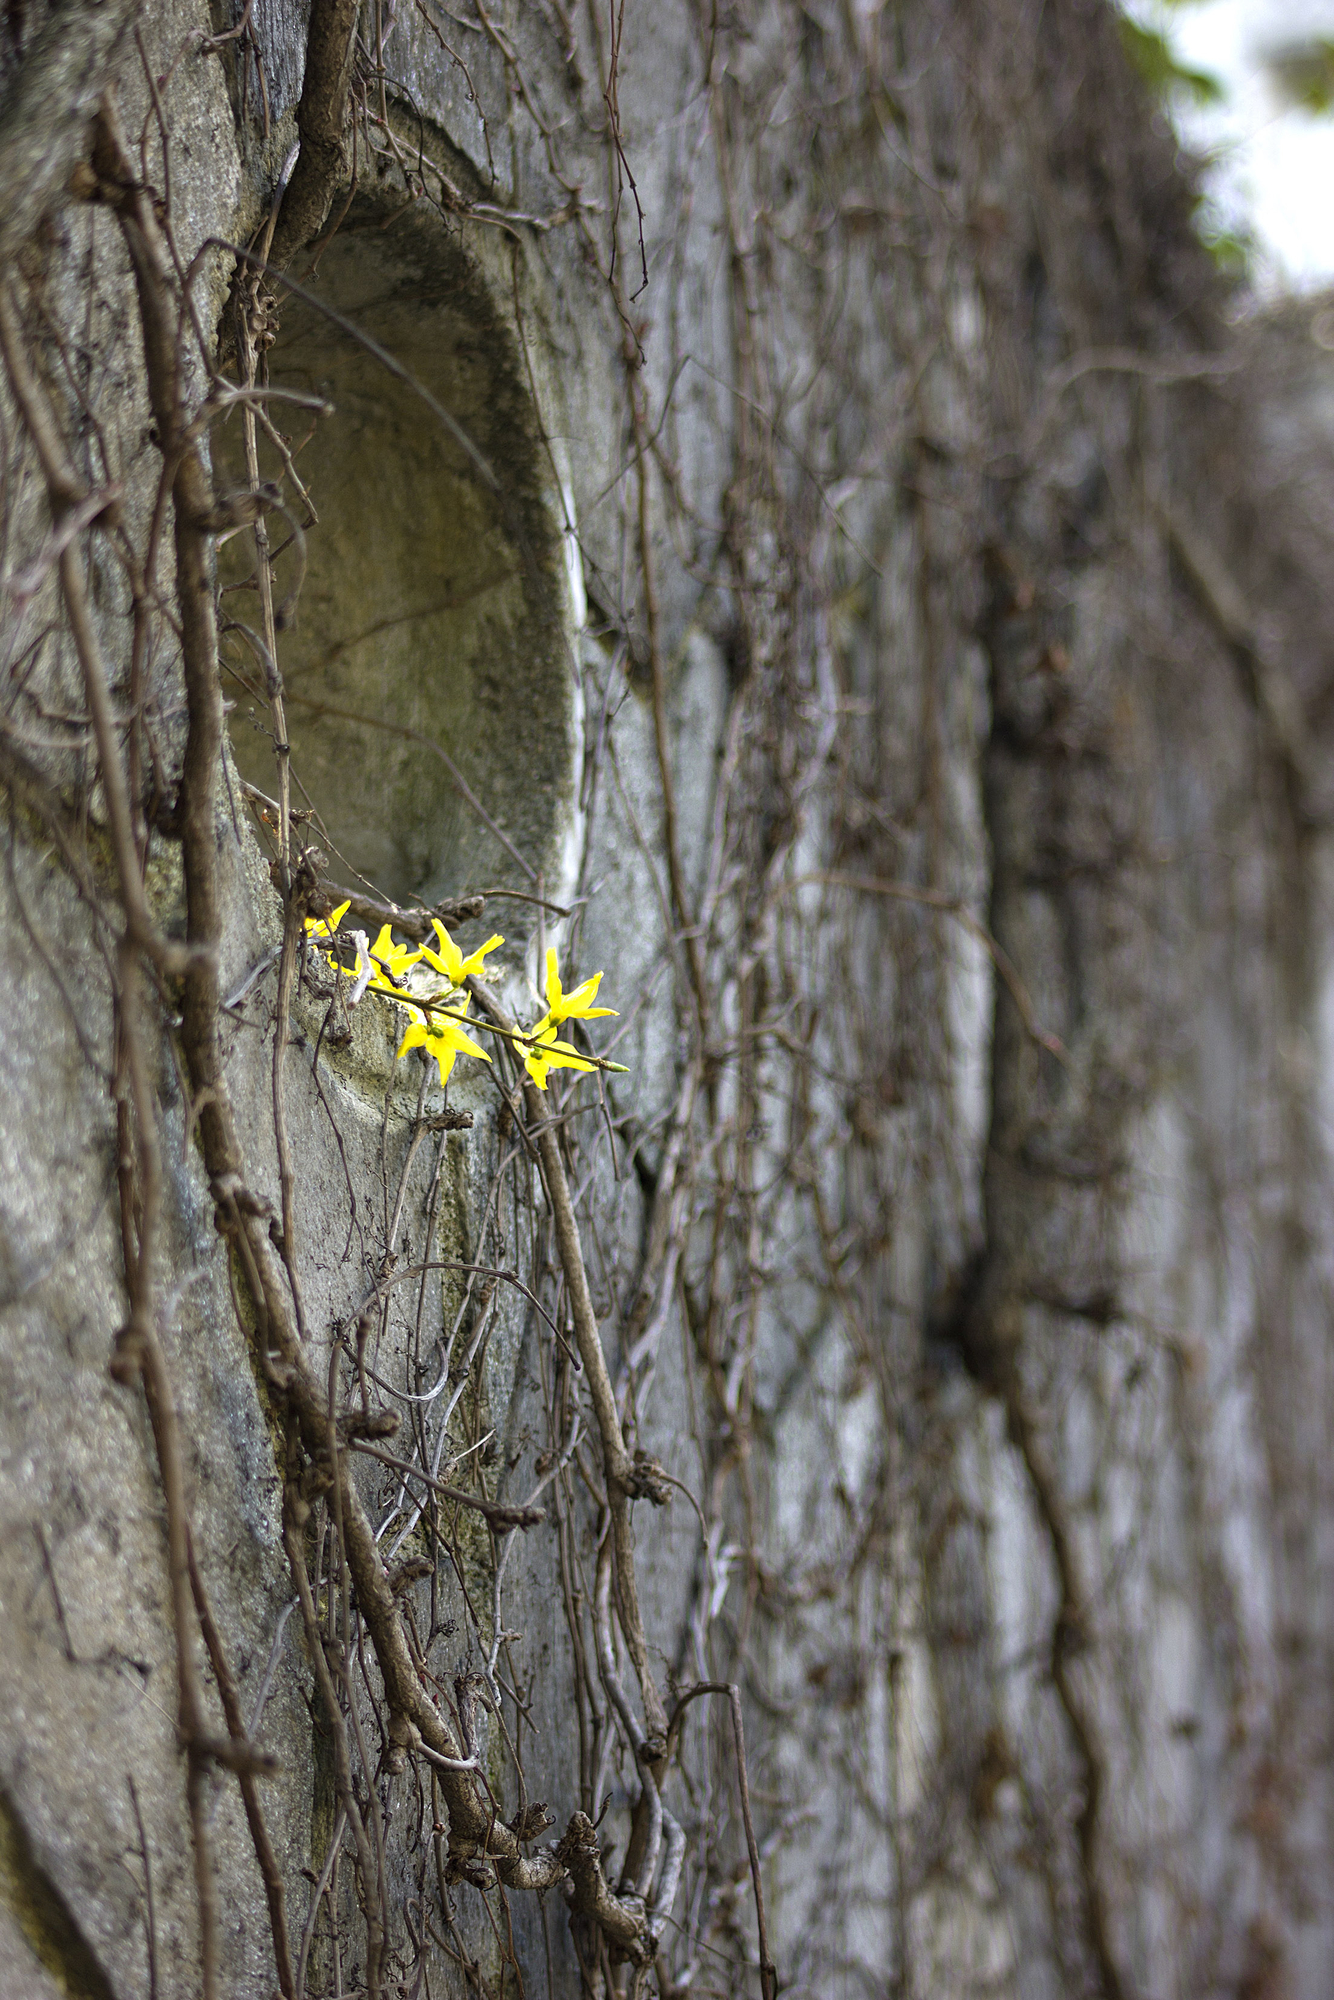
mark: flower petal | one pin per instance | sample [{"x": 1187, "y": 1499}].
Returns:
[
  {"x": 413, "y": 1039},
  {"x": 578, "y": 1005},
  {"x": 543, "y": 1052},
  {"x": 449, "y": 959},
  {"x": 319, "y": 928},
  {"x": 554, "y": 995},
  {"x": 473, "y": 962}
]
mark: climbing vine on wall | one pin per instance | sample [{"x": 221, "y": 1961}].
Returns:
[
  {"x": 377, "y": 1680},
  {"x": 877, "y": 602}
]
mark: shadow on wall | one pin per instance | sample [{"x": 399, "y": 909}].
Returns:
[{"x": 430, "y": 614}]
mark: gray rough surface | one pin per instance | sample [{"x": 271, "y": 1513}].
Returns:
[{"x": 1100, "y": 1290}]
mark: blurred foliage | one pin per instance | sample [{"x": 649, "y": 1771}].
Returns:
[
  {"x": 1231, "y": 248},
  {"x": 1153, "y": 56},
  {"x": 1304, "y": 74}
]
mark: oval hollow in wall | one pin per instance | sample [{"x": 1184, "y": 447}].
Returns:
[{"x": 430, "y": 622}]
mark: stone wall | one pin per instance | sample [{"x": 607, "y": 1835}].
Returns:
[{"x": 890, "y": 643}]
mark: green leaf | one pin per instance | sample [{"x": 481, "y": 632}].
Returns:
[{"x": 1153, "y": 57}]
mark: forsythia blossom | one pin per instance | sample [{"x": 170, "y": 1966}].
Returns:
[
  {"x": 576, "y": 1006},
  {"x": 441, "y": 1036},
  {"x": 449, "y": 960},
  {"x": 320, "y": 930},
  {"x": 428, "y": 984},
  {"x": 393, "y": 959},
  {"x": 541, "y": 1050}
]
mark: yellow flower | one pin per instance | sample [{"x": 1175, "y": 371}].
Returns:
[
  {"x": 449, "y": 960},
  {"x": 320, "y": 930},
  {"x": 392, "y": 959},
  {"x": 542, "y": 1052},
  {"x": 442, "y": 1037},
  {"x": 576, "y": 1006}
]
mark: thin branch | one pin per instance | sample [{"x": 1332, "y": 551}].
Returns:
[
  {"x": 623, "y": 1479},
  {"x": 320, "y": 119},
  {"x": 949, "y": 906},
  {"x": 275, "y": 1894},
  {"x": 498, "y": 1512},
  {"x": 768, "y": 1971}
]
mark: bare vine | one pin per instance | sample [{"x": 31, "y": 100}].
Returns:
[{"x": 613, "y": 1226}]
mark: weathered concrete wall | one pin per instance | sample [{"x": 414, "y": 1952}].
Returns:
[{"x": 959, "y": 1232}]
